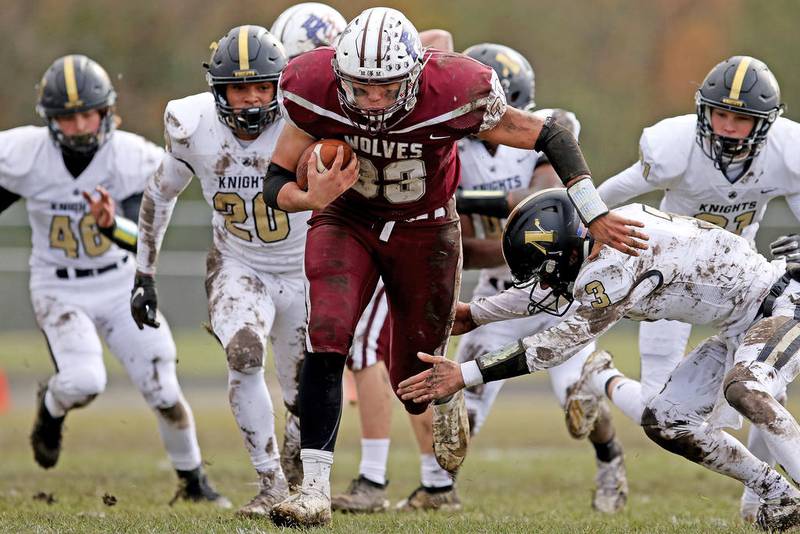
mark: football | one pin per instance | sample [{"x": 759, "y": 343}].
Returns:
[{"x": 325, "y": 150}]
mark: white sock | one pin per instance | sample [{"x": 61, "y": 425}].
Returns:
[
  {"x": 180, "y": 438},
  {"x": 252, "y": 408},
  {"x": 374, "y": 454},
  {"x": 626, "y": 394},
  {"x": 317, "y": 470},
  {"x": 431, "y": 473},
  {"x": 599, "y": 380}
]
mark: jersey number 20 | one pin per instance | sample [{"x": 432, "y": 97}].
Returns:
[{"x": 271, "y": 225}]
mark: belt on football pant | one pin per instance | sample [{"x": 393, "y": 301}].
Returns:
[
  {"x": 777, "y": 289},
  {"x": 438, "y": 213},
  {"x": 69, "y": 272}
]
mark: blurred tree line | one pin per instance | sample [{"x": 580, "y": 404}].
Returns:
[{"x": 620, "y": 65}]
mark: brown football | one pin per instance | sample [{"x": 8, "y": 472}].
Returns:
[{"x": 325, "y": 149}]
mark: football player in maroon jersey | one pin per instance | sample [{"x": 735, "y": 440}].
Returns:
[{"x": 390, "y": 212}]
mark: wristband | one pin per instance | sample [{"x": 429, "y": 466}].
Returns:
[
  {"x": 471, "y": 374},
  {"x": 587, "y": 200}
]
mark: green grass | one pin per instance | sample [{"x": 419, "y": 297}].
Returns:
[{"x": 524, "y": 473}]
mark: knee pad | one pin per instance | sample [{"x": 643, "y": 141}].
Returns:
[
  {"x": 245, "y": 351},
  {"x": 81, "y": 381}
]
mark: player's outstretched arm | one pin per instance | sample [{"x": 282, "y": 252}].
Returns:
[
  {"x": 280, "y": 185},
  {"x": 521, "y": 129}
]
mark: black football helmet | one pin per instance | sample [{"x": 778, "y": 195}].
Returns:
[
  {"x": 74, "y": 84},
  {"x": 514, "y": 71},
  {"x": 247, "y": 54},
  {"x": 545, "y": 242},
  {"x": 740, "y": 84}
]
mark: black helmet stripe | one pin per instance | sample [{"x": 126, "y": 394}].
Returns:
[
  {"x": 70, "y": 84},
  {"x": 244, "y": 48}
]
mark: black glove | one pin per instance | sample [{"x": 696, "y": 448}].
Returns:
[
  {"x": 787, "y": 247},
  {"x": 144, "y": 301}
]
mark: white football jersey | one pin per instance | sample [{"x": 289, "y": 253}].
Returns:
[
  {"x": 232, "y": 179},
  {"x": 672, "y": 160},
  {"x": 692, "y": 271},
  {"x": 63, "y": 232}
]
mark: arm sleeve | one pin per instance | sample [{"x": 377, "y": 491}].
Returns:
[
  {"x": 622, "y": 187},
  {"x": 160, "y": 195},
  {"x": 7, "y": 198},
  {"x": 509, "y": 304}
]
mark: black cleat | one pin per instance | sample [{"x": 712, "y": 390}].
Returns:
[
  {"x": 193, "y": 486},
  {"x": 46, "y": 434}
]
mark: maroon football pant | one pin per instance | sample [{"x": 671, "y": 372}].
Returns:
[{"x": 420, "y": 263}]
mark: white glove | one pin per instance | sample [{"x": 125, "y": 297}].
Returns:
[{"x": 786, "y": 247}]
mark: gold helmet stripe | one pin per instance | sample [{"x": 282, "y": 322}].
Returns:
[
  {"x": 244, "y": 49},
  {"x": 70, "y": 83},
  {"x": 738, "y": 77}
]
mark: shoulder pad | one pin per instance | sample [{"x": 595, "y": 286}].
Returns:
[
  {"x": 183, "y": 116},
  {"x": 664, "y": 149},
  {"x": 20, "y": 148},
  {"x": 785, "y": 135},
  {"x": 564, "y": 117}
]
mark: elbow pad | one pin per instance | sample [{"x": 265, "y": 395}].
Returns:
[
  {"x": 274, "y": 181},
  {"x": 562, "y": 151},
  {"x": 489, "y": 203}
]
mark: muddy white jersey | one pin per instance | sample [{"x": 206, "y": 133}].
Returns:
[
  {"x": 507, "y": 169},
  {"x": 231, "y": 174},
  {"x": 693, "y": 271},
  {"x": 672, "y": 160},
  {"x": 63, "y": 232}
]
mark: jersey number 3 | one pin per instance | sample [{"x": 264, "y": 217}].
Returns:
[{"x": 62, "y": 236}]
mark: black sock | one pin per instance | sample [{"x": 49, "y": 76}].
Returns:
[
  {"x": 320, "y": 399},
  {"x": 606, "y": 452}
]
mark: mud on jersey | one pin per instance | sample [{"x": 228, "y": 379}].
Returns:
[
  {"x": 413, "y": 168},
  {"x": 231, "y": 176},
  {"x": 63, "y": 232}
]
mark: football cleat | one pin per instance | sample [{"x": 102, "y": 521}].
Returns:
[
  {"x": 193, "y": 486},
  {"x": 583, "y": 405},
  {"x": 362, "y": 497},
  {"x": 778, "y": 515},
  {"x": 431, "y": 499},
  {"x": 451, "y": 432},
  {"x": 611, "y": 491},
  {"x": 46, "y": 434},
  {"x": 273, "y": 489},
  {"x": 309, "y": 507},
  {"x": 291, "y": 463}
]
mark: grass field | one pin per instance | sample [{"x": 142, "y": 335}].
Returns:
[{"x": 524, "y": 474}]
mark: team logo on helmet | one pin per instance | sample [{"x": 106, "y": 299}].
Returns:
[{"x": 306, "y": 26}]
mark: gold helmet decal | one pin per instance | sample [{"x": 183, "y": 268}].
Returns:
[{"x": 534, "y": 237}]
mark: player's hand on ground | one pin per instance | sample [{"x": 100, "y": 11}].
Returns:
[
  {"x": 463, "y": 321},
  {"x": 325, "y": 187},
  {"x": 620, "y": 233},
  {"x": 102, "y": 207},
  {"x": 144, "y": 302},
  {"x": 441, "y": 380},
  {"x": 786, "y": 247}
]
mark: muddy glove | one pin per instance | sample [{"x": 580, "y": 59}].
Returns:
[
  {"x": 786, "y": 247},
  {"x": 144, "y": 301}
]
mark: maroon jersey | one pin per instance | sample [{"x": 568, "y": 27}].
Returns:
[{"x": 413, "y": 168}]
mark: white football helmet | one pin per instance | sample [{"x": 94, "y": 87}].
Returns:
[
  {"x": 380, "y": 46},
  {"x": 307, "y": 26}
]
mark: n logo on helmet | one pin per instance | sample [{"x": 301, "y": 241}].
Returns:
[{"x": 534, "y": 237}]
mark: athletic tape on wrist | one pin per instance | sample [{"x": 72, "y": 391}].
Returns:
[{"x": 587, "y": 200}]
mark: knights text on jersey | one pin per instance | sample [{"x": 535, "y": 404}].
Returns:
[
  {"x": 672, "y": 160},
  {"x": 413, "y": 168},
  {"x": 232, "y": 179},
  {"x": 63, "y": 232}
]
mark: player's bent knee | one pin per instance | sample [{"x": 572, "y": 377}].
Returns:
[
  {"x": 415, "y": 408},
  {"x": 245, "y": 351},
  {"x": 176, "y": 415},
  {"x": 83, "y": 382},
  {"x": 753, "y": 403}
]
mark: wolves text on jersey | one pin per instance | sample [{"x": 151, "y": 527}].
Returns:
[{"x": 384, "y": 149}]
